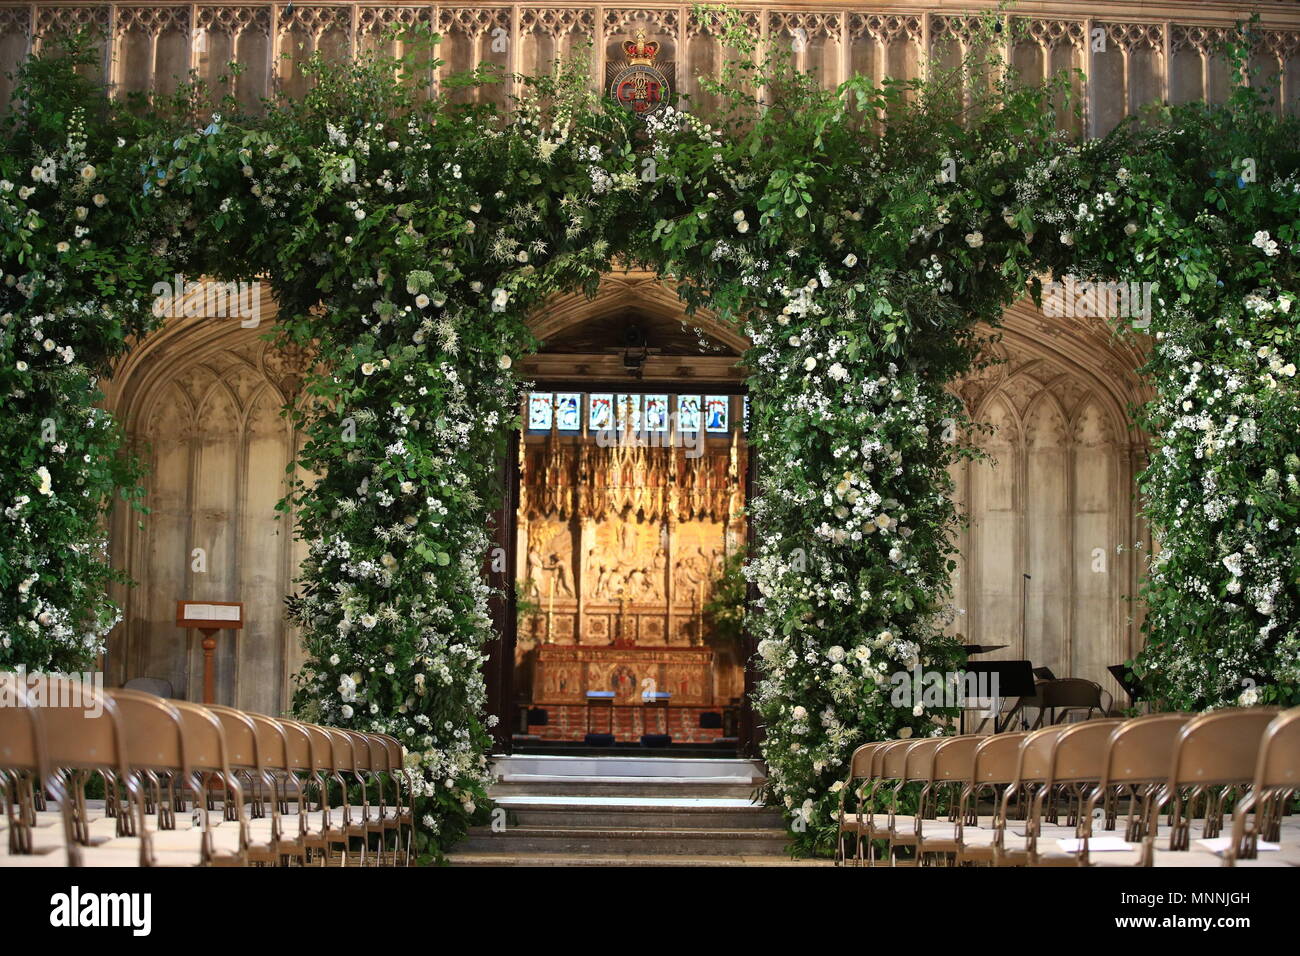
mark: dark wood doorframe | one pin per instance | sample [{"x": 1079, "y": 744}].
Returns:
[{"x": 499, "y": 671}]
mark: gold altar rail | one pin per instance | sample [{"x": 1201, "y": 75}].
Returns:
[{"x": 1129, "y": 53}]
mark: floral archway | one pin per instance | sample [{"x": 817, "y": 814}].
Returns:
[{"x": 857, "y": 237}]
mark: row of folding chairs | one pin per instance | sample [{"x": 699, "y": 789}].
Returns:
[
  {"x": 1157, "y": 790},
  {"x": 191, "y": 785}
]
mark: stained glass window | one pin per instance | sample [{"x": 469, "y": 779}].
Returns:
[
  {"x": 540, "y": 411},
  {"x": 715, "y": 413},
  {"x": 629, "y": 412},
  {"x": 688, "y": 413},
  {"x": 568, "y": 411},
  {"x": 600, "y": 412},
  {"x": 656, "y": 413}
]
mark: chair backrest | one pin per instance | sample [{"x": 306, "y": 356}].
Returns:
[
  {"x": 1035, "y": 761},
  {"x": 379, "y": 757},
  {"x": 22, "y": 746},
  {"x": 396, "y": 754},
  {"x": 242, "y": 751},
  {"x": 996, "y": 758},
  {"x": 297, "y": 745},
  {"x": 920, "y": 759},
  {"x": 860, "y": 763},
  {"x": 1221, "y": 747},
  {"x": 345, "y": 759},
  {"x": 322, "y": 748},
  {"x": 204, "y": 740},
  {"x": 893, "y": 760},
  {"x": 82, "y": 737},
  {"x": 955, "y": 759},
  {"x": 1080, "y": 752},
  {"x": 154, "y": 736},
  {"x": 1070, "y": 692},
  {"x": 272, "y": 742},
  {"x": 1279, "y": 754},
  {"x": 361, "y": 759},
  {"x": 1140, "y": 748}
]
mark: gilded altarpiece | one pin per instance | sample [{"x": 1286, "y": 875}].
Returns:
[{"x": 620, "y": 550}]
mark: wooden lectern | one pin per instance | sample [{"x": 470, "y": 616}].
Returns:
[{"x": 208, "y": 617}]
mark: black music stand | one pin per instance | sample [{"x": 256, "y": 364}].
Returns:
[
  {"x": 1129, "y": 681},
  {"x": 1011, "y": 678}
]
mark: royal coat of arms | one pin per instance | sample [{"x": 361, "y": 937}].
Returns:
[{"x": 637, "y": 82}]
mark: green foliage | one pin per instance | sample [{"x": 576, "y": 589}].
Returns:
[
  {"x": 1211, "y": 198},
  {"x": 725, "y": 608}
]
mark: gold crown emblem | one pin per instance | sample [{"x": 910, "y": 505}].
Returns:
[{"x": 640, "y": 50}]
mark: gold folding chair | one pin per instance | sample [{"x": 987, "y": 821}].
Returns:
[
  {"x": 917, "y": 769},
  {"x": 950, "y": 770},
  {"x": 1076, "y": 767},
  {"x": 883, "y": 820},
  {"x": 1214, "y": 756},
  {"x": 1260, "y": 813},
  {"x": 853, "y": 824},
  {"x": 79, "y": 743},
  {"x": 993, "y": 769},
  {"x": 23, "y": 768}
]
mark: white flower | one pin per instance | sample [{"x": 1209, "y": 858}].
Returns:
[
  {"x": 809, "y": 364},
  {"x": 1130, "y": 228},
  {"x": 421, "y": 300},
  {"x": 850, "y": 260},
  {"x": 87, "y": 173},
  {"x": 367, "y": 368},
  {"x": 838, "y": 372},
  {"x": 799, "y": 713},
  {"x": 346, "y": 711},
  {"x": 21, "y": 366},
  {"x": 47, "y": 484},
  {"x": 975, "y": 239},
  {"x": 738, "y": 216},
  {"x": 368, "y": 621},
  {"x": 742, "y": 226},
  {"x": 334, "y": 660},
  {"x": 100, "y": 199},
  {"x": 388, "y": 561},
  {"x": 504, "y": 362}
]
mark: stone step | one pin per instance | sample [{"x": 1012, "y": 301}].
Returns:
[
  {"x": 623, "y": 812},
  {"x": 584, "y": 841},
  {"x": 484, "y": 858},
  {"x": 732, "y": 768},
  {"x": 555, "y": 785}
]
